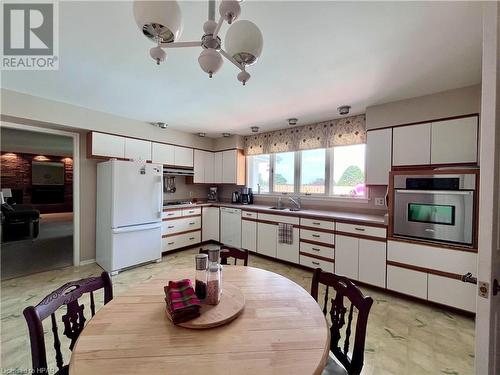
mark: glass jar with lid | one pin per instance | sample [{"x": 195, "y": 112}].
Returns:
[
  {"x": 200, "y": 284},
  {"x": 214, "y": 278}
]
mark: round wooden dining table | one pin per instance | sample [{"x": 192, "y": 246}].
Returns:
[{"x": 280, "y": 331}]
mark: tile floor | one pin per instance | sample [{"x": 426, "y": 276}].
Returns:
[{"x": 404, "y": 337}]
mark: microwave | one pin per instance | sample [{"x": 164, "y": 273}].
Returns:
[{"x": 435, "y": 207}]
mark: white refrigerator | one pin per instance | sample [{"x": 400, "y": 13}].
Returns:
[{"x": 128, "y": 218}]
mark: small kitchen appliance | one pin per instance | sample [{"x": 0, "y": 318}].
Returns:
[
  {"x": 212, "y": 194},
  {"x": 236, "y": 197},
  {"x": 246, "y": 195}
]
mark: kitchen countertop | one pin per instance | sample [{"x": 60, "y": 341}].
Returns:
[{"x": 336, "y": 215}]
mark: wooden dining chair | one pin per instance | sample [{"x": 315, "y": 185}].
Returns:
[
  {"x": 230, "y": 252},
  {"x": 74, "y": 318},
  {"x": 344, "y": 289}
]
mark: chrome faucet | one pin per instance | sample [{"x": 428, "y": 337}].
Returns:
[{"x": 296, "y": 202}]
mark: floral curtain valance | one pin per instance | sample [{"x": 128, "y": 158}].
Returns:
[{"x": 340, "y": 132}]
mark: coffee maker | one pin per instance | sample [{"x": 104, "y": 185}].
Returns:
[
  {"x": 212, "y": 194},
  {"x": 246, "y": 196}
]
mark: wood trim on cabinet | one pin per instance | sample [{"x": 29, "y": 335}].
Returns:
[
  {"x": 250, "y": 219},
  {"x": 317, "y": 257},
  {"x": 362, "y": 236},
  {"x": 434, "y": 244},
  {"x": 179, "y": 217},
  {"x": 275, "y": 223},
  {"x": 317, "y": 229},
  {"x": 449, "y": 275},
  {"x": 179, "y": 233},
  {"x": 317, "y": 243},
  {"x": 354, "y": 222}
]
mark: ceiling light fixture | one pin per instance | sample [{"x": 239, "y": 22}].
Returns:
[
  {"x": 255, "y": 129},
  {"x": 202, "y": 135},
  {"x": 293, "y": 121},
  {"x": 161, "y": 125},
  {"x": 225, "y": 135},
  {"x": 344, "y": 109},
  {"x": 161, "y": 21}
]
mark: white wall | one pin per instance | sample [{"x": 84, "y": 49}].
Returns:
[
  {"x": 234, "y": 141},
  {"x": 462, "y": 101}
]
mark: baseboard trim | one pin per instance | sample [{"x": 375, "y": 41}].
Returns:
[{"x": 86, "y": 262}]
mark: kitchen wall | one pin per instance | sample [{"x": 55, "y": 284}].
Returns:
[
  {"x": 226, "y": 143},
  {"x": 457, "y": 102},
  {"x": 186, "y": 191}
]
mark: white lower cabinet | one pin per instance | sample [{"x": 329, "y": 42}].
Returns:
[
  {"x": 266, "y": 239},
  {"x": 406, "y": 281},
  {"x": 346, "y": 256},
  {"x": 181, "y": 240},
  {"x": 452, "y": 292},
  {"x": 210, "y": 217},
  {"x": 289, "y": 252},
  {"x": 372, "y": 262},
  {"x": 249, "y": 235}
]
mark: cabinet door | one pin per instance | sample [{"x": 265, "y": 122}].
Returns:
[
  {"x": 267, "y": 236},
  {"x": 411, "y": 145},
  {"x": 218, "y": 167},
  {"x": 452, "y": 292},
  {"x": 210, "y": 223},
  {"x": 454, "y": 141},
  {"x": 199, "y": 167},
  {"x": 372, "y": 262},
  {"x": 346, "y": 256},
  {"x": 183, "y": 156},
  {"x": 162, "y": 153},
  {"x": 229, "y": 166},
  {"x": 137, "y": 149},
  {"x": 410, "y": 282},
  {"x": 108, "y": 145},
  {"x": 209, "y": 167},
  {"x": 249, "y": 235},
  {"x": 289, "y": 252},
  {"x": 378, "y": 156}
]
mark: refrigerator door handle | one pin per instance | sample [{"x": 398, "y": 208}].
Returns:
[{"x": 137, "y": 228}]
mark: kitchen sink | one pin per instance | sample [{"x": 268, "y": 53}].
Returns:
[
  {"x": 295, "y": 209},
  {"x": 278, "y": 208}
]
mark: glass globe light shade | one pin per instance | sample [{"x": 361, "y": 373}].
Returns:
[
  {"x": 210, "y": 61},
  {"x": 158, "y": 54},
  {"x": 229, "y": 10},
  {"x": 244, "y": 42},
  {"x": 159, "y": 20}
]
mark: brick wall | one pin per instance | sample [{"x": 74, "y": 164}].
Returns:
[{"x": 15, "y": 170}]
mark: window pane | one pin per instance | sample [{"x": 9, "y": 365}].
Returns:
[
  {"x": 349, "y": 170},
  {"x": 312, "y": 175},
  {"x": 258, "y": 173},
  {"x": 284, "y": 170}
]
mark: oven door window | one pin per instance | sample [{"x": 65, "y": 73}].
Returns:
[{"x": 431, "y": 213}]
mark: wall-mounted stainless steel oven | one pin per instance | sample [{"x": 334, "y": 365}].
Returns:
[{"x": 436, "y": 207}]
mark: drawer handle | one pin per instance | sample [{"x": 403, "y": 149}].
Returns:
[
  {"x": 360, "y": 229},
  {"x": 170, "y": 243},
  {"x": 171, "y": 226},
  {"x": 316, "y": 223},
  {"x": 315, "y": 263},
  {"x": 192, "y": 223},
  {"x": 315, "y": 249},
  {"x": 190, "y": 212},
  {"x": 172, "y": 214},
  {"x": 316, "y": 235},
  {"x": 191, "y": 238}
]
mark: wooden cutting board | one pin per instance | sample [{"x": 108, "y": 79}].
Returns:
[{"x": 231, "y": 305}]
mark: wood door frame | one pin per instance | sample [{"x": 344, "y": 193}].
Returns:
[{"x": 76, "y": 177}]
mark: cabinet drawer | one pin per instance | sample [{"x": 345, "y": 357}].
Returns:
[
  {"x": 452, "y": 292},
  {"x": 181, "y": 225},
  {"x": 249, "y": 214},
  {"x": 171, "y": 214},
  {"x": 313, "y": 223},
  {"x": 182, "y": 240},
  {"x": 323, "y": 251},
  {"x": 279, "y": 218},
  {"x": 191, "y": 211},
  {"x": 312, "y": 235},
  {"x": 410, "y": 282},
  {"x": 364, "y": 230},
  {"x": 316, "y": 263}
]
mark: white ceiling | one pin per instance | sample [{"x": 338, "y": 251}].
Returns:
[{"x": 317, "y": 56}]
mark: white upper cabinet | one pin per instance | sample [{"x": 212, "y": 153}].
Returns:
[
  {"x": 218, "y": 167},
  {"x": 162, "y": 153},
  {"x": 199, "y": 167},
  {"x": 378, "y": 156},
  {"x": 137, "y": 149},
  {"x": 209, "y": 167},
  {"x": 107, "y": 145},
  {"x": 454, "y": 141},
  {"x": 183, "y": 156},
  {"x": 229, "y": 167},
  {"x": 411, "y": 145}
]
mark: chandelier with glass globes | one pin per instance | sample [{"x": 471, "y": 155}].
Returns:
[{"x": 161, "y": 22}]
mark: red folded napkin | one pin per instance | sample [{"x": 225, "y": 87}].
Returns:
[{"x": 182, "y": 303}]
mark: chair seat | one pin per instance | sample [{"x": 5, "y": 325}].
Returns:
[{"x": 333, "y": 367}]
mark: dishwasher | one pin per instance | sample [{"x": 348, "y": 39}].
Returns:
[{"x": 231, "y": 226}]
